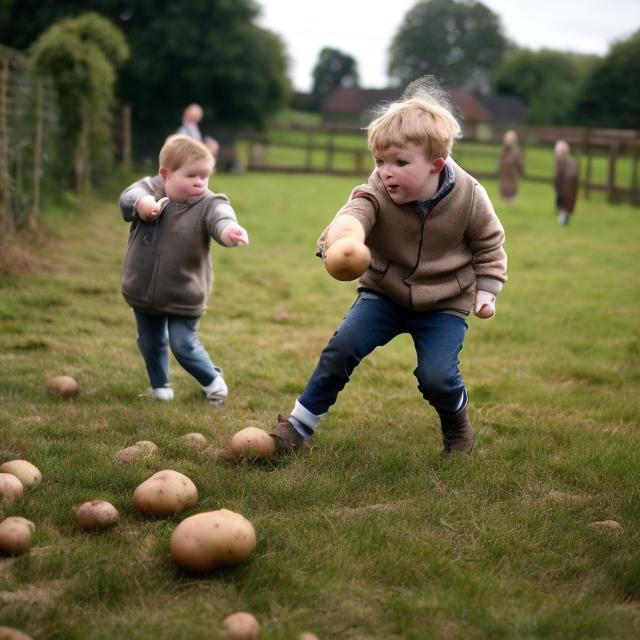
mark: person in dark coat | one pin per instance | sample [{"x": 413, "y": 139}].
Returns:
[
  {"x": 565, "y": 180},
  {"x": 510, "y": 167}
]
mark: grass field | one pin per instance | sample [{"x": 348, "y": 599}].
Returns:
[{"x": 371, "y": 533}]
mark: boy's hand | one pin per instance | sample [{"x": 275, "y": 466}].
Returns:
[
  {"x": 148, "y": 209},
  {"x": 485, "y": 304},
  {"x": 234, "y": 235}
]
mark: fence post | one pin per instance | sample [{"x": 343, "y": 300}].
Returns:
[
  {"x": 6, "y": 219},
  {"x": 37, "y": 153},
  {"x": 614, "y": 149},
  {"x": 126, "y": 136}
]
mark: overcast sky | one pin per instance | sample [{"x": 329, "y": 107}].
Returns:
[{"x": 364, "y": 29}]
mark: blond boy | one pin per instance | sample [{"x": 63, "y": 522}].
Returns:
[
  {"x": 166, "y": 277},
  {"x": 436, "y": 256}
]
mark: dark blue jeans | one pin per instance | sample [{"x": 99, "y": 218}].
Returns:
[
  {"x": 156, "y": 333},
  {"x": 374, "y": 320}
]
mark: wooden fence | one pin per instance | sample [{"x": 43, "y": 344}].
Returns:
[
  {"x": 341, "y": 150},
  {"x": 28, "y": 121}
]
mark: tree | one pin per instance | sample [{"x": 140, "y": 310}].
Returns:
[
  {"x": 332, "y": 70},
  {"x": 548, "y": 82},
  {"x": 457, "y": 42},
  {"x": 213, "y": 53},
  {"x": 611, "y": 95},
  {"x": 81, "y": 55}
]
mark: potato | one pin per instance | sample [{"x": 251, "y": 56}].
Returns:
[
  {"x": 96, "y": 514},
  {"x": 347, "y": 259},
  {"x": 165, "y": 493},
  {"x": 252, "y": 443},
  {"x": 15, "y": 535},
  {"x": 9, "y": 633},
  {"x": 27, "y": 473},
  {"x": 194, "y": 441},
  {"x": 11, "y": 488},
  {"x": 241, "y": 626},
  {"x": 63, "y": 386},
  {"x": 141, "y": 449},
  {"x": 307, "y": 635},
  {"x": 212, "y": 539}
]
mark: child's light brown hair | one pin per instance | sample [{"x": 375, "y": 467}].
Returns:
[
  {"x": 422, "y": 117},
  {"x": 179, "y": 149}
]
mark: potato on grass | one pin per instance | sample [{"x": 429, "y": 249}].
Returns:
[
  {"x": 141, "y": 449},
  {"x": 96, "y": 515},
  {"x": 26, "y": 472},
  {"x": 11, "y": 489},
  {"x": 194, "y": 441},
  {"x": 10, "y": 633},
  {"x": 16, "y": 534},
  {"x": 165, "y": 493},
  {"x": 62, "y": 386},
  {"x": 241, "y": 626},
  {"x": 212, "y": 539},
  {"x": 252, "y": 443}
]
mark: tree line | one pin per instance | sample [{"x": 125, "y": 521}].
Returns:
[{"x": 462, "y": 44}]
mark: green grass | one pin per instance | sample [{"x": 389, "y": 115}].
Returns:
[{"x": 370, "y": 533}]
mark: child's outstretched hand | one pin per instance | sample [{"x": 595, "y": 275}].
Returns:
[
  {"x": 148, "y": 209},
  {"x": 485, "y": 304},
  {"x": 234, "y": 235}
]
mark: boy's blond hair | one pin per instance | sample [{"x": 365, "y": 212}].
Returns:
[
  {"x": 422, "y": 117},
  {"x": 179, "y": 149}
]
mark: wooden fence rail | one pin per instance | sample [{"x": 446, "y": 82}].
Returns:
[{"x": 328, "y": 143}]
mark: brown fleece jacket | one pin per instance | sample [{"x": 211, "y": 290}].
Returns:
[{"x": 430, "y": 261}]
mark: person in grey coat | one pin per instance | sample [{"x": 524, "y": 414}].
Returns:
[
  {"x": 565, "y": 180},
  {"x": 166, "y": 276}
]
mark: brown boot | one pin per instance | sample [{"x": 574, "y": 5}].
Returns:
[
  {"x": 457, "y": 432},
  {"x": 286, "y": 438}
]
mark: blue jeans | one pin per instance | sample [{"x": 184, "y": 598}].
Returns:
[
  {"x": 374, "y": 320},
  {"x": 156, "y": 333}
]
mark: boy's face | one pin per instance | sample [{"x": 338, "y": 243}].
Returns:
[
  {"x": 407, "y": 174},
  {"x": 191, "y": 180}
]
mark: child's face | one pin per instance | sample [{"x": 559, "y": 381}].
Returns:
[
  {"x": 191, "y": 180},
  {"x": 406, "y": 173}
]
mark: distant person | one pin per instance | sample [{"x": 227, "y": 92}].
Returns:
[
  {"x": 166, "y": 276},
  {"x": 191, "y": 118},
  {"x": 510, "y": 168},
  {"x": 565, "y": 180},
  {"x": 428, "y": 252}
]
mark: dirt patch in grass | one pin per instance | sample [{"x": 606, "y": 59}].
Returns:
[
  {"x": 42, "y": 595},
  {"x": 18, "y": 253}
]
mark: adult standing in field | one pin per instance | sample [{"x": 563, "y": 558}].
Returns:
[
  {"x": 510, "y": 167},
  {"x": 191, "y": 118},
  {"x": 565, "y": 180}
]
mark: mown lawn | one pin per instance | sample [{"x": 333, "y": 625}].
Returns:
[{"x": 371, "y": 533}]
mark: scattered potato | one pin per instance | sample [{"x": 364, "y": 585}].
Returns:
[
  {"x": 307, "y": 635},
  {"x": 219, "y": 453},
  {"x": 27, "y": 473},
  {"x": 96, "y": 514},
  {"x": 63, "y": 386},
  {"x": 212, "y": 539},
  {"x": 241, "y": 626},
  {"x": 253, "y": 443},
  {"x": 141, "y": 449},
  {"x": 280, "y": 316},
  {"x": 9, "y": 633},
  {"x": 165, "y": 493},
  {"x": 15, "y": 535},
  {"x": 347, "y": 259},
  {"x": 605, "y": 524},
  {"x": 194, "y": 441},
  {"x": 11, "y": 489}
]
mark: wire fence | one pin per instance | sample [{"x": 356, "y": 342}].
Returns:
[{"x": 28, "y": 127}]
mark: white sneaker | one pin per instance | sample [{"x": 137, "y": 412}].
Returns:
[
  {"x": 165, "y": 394},
  {"x": 217, "y": 391}
]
